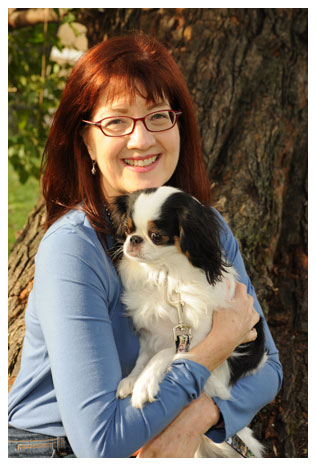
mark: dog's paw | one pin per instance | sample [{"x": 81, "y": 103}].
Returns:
[
  {"x": 145, "y": 391},
  {"x": 125, "y": 387}
]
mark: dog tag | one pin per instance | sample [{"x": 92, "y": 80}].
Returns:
[{"x": 182, "y": 336}]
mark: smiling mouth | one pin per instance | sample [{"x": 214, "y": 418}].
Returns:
[{"x": 141, "y": 162}]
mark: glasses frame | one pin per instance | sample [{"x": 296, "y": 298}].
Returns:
[{"x": 98, "y": 123}]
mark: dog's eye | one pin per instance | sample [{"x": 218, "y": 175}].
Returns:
[{"x": 155, "y": 237}]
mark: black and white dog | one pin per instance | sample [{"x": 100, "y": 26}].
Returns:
[{"x": 174, "y": 278}]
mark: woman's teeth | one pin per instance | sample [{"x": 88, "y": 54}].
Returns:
[{"x": 141, "y": 163}]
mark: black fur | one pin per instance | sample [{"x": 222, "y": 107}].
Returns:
[
  {"x": 199, "y": 231},
  {"x": 251, "y": 355},
  {"x": 122, "y": 209}
]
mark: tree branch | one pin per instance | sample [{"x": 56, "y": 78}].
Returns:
[{"x": 18, "y": 18}]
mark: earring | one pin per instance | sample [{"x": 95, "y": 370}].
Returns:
[{"x": 93, "y": 169}]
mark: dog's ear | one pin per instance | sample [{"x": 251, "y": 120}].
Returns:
[
  {"x": 200, "y": 239},
  {"x": 119, "y": 209}
]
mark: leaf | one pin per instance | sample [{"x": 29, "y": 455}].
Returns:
[
  {"x": 28, "y": 121},
  {"x": 69, "y": 18}
]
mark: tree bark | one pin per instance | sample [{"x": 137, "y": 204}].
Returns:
[
  {"x": 247, "y": 72},
  {"x": 20, "y": 282}
]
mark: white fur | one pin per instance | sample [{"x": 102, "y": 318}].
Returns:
[
  {"x": 150, "y": 205},
  {"x": 146, "y": 279}
]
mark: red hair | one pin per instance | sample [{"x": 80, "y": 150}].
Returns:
[{"x": 131, "y": 63}]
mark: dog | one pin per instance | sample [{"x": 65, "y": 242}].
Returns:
[{"x": 174, "y": 277}]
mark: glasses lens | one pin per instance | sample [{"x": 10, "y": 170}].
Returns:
[
  {"x": 160, "y": 121},
  {"x": 117, "y": 126}
]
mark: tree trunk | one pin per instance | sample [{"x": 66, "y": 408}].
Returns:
[
  {"x": 247, "y": 72},
  {"x": 20, "y": 281}
]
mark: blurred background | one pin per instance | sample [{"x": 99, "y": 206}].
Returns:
[
  {"x": 42, "y": 50},
  {"x": 246, "y": 69}
]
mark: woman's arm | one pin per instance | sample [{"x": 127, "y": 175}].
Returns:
[
  {"x": 72, "y": 296},
  {"x": 181, "y": 437},
  {"x": 231, "y": 327},
  {"x": 251, "y": 393}
]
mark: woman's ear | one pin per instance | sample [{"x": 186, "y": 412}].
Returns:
[{"x": 84, "y": 133}]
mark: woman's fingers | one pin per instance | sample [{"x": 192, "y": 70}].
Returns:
[
  {"x": 251, "y": 336},
  {"x": 243, "y": 304}
]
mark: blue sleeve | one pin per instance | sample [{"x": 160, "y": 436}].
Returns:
[
  {"x": 72, "y": 298},
  {"x": 253, "y": 392}
]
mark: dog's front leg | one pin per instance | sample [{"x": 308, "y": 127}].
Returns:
[
  {"x": 147, "y": 385},
  {"x": 126, "y": 385}
]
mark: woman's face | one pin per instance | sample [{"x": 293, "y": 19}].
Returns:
[{"x": 139, "y": 160}]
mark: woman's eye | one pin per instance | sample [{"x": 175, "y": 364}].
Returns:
[
  {"x": 114, "y": 122},
  {"x": 116, "y": 126},
  {"x": 159, "y": 121},
  {"x": 160, "y": 115},
  {"x": 155, "y": 237}
]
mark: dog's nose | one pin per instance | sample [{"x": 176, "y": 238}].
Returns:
[{"x": 136, "y": 240}]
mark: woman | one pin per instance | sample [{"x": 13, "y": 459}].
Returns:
[{"x": 78, "y": 343}]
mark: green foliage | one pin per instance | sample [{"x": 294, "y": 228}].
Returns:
[{"x": 35, "y": 87}]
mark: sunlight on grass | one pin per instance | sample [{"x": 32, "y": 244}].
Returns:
[{"x": 21, "y": 200}]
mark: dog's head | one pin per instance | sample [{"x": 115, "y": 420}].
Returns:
[{"x": 159, "y": 223}]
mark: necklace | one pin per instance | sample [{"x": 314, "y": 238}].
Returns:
[{"x": 109, "y": 216}]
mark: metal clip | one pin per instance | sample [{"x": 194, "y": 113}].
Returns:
[
  {"x": 182, "y": 336},
  {"x": 182, "y": 332}
]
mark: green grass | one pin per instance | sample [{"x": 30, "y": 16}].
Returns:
[{"x": 21, "y": 199}]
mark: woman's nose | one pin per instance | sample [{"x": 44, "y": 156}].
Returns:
[{"x": 140, "y": 138}]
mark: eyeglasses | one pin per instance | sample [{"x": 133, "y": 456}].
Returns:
[{"x": 155, "y": 122}]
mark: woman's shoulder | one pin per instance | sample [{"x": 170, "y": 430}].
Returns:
[
  {"x": 73, "y": 220},
  {"x": 225, "y": 231},
  {"x": 72, "y": 233},
  {"x": 71, "y": 252},
  {"x": 227, "y": 239}
]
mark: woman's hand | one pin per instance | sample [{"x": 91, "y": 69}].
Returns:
[
  {"x": 181, "y": 438},
  {"x": 237, "y": 321},
  {"x": 231, "y": 327}
]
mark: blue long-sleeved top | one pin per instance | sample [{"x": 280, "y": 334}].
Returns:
[{"x": 79, "y": 344}]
